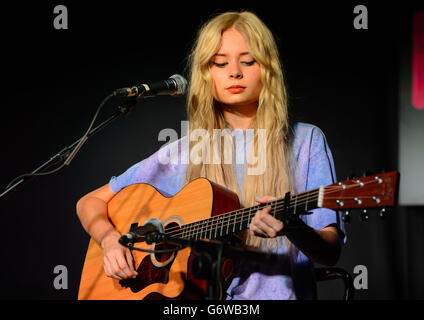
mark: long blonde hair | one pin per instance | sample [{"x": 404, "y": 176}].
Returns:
[{"x": 272, "y": 114}]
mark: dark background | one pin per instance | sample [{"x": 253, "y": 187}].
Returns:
[{"x": 341, "y": 79}]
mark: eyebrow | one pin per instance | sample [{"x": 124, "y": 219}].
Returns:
[{"x": 224, "y": 55}]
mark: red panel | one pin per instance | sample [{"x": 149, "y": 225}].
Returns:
[{"x": 418, "y": 60}]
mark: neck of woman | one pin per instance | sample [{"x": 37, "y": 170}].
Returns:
[{"x": 239, "y": 116}]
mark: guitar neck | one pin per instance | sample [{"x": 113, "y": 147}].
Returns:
[
  {"x": 239, "y": 220},
  {"x": 367, "y": 192}
]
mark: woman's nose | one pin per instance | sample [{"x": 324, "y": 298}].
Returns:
[
  {"x": 235, "y": 72},
  {"x": 236, "y": 75}
]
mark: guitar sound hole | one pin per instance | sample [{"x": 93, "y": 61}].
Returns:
[{"x": 162, "y": 257}]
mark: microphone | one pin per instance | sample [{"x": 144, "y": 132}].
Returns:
[
  {"x": 139, "y": 234},
  {"x": 176, "y": 85}
]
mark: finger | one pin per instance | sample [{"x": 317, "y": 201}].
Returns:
[
  {"x": 265, "y": 214},
  {"x": 265, "y": 229},
  {"x": 116, "y": 270},
  {"x": 106, "y": 268},
  {"x": 123, "y": 265},
  {"x": 130, "y": 262},
  {"x": 109, "y": 269},
  {"x": 267, "y": 223},
  {"x": 258, "y": 233},
  {"x": 116, "y": 277},
  {"x": 269, "y": 220},
  {"x": 254, "y": 228},
  {"x": 258, "y": 226}
]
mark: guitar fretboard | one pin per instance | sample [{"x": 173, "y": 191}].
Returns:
[{"x": 235, "y": 221}]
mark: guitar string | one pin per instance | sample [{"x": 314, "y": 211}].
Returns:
[
  {"x": 209, "y": 223},
  {"x": 224, "y": 220},
  {"x": 257, "y": 207},
  {"x": 236, "y": 213},
  {"x": 302, "y": 196}
]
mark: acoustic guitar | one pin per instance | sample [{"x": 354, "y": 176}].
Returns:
[{"x": 205, "y": 210}]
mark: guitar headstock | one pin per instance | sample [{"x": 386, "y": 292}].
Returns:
[{"x": 377, "y": 190}]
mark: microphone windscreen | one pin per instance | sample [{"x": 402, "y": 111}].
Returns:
[{"x": 181, "y": 83}]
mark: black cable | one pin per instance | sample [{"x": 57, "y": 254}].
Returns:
[
  {"x": 131, "y": 247},
  {"x": 74, "y": 151}
]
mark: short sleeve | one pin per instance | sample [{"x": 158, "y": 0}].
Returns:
[
  {"x": 164, "y": 170},
  {"x": 321, "y": 172},
  {"x": 141, "y": 172}
]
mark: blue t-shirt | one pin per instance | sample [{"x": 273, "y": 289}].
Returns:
[{"x": 312, "y": 167}]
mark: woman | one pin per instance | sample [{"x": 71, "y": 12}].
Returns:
[{"x": 237, "y": 86}]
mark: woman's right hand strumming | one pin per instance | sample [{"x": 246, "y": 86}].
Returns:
[{"x": 118, "y": 262}]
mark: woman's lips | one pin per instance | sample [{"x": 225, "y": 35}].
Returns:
[{"x": 236, "y": 89}]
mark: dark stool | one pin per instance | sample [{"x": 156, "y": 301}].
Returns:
[{"x": 332, "y": 273}]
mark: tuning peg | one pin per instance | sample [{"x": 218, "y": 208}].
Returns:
[
  {"x": 351, "y": 175},
  {"x": 346, "y": 216},
  {"x": 382, "y": 213},
  {"x": 364, "y": 215},
  {"x": 367, "y": 173}
]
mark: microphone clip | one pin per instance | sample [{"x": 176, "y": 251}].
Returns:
[
  {"x": 147, "y": 233},
  {"x": 136, "y": 91},
  {"x": 154, "y": 237}
]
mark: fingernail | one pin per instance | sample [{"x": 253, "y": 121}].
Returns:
[{"x": 258, "y": 197}]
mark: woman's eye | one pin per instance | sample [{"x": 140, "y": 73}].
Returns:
[
  {"x": 220, "y": 65},
  {"x": 223, "y": 64},
  {"x": 249, "y": 63}
]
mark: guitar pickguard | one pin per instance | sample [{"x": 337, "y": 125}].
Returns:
[{"x": 154, "y": 268}]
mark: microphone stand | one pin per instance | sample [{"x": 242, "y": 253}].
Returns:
[
  {"x": 207, "y": 263},
  {"x": 124, "y": 109}
]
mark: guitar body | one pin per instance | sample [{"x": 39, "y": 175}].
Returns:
[{"x": 159, "y": 275}]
